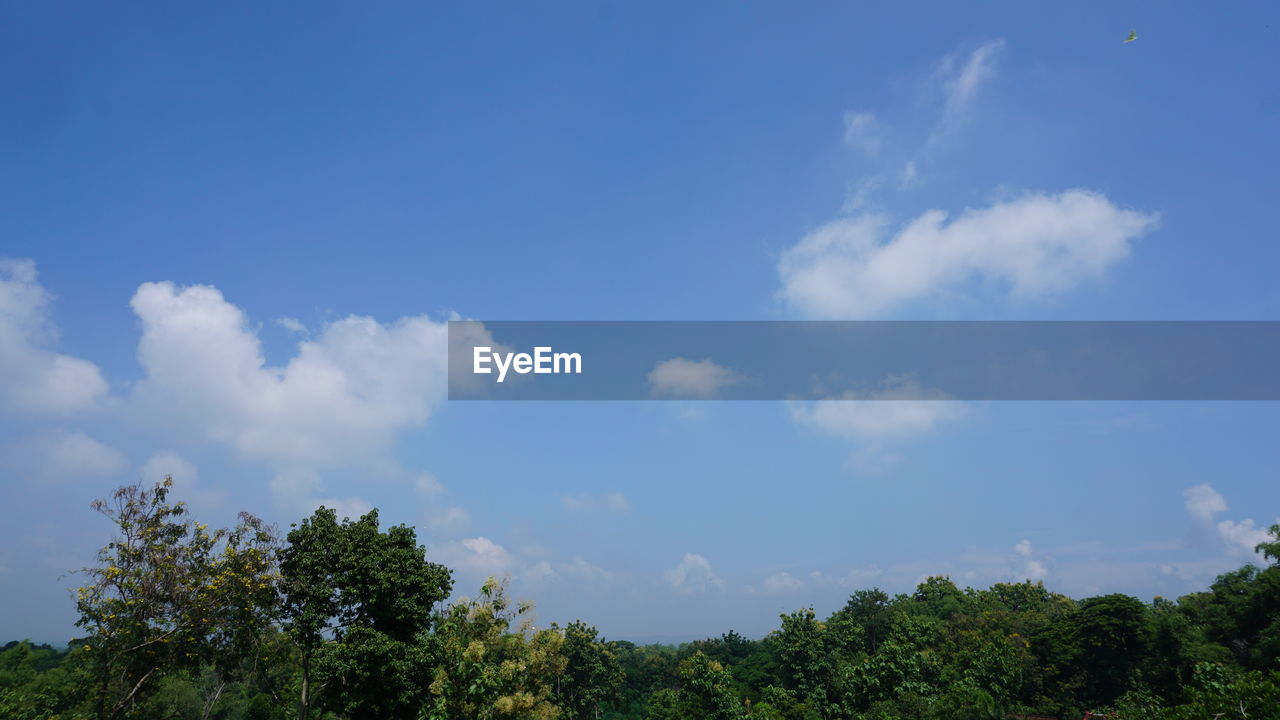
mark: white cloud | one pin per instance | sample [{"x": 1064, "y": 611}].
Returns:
[
  {"x": 544, "y": 572},
  {"x": 57, "y": 455},
  {"x": 1242, "y": 537},
  {"x": 693, "y": 575},
  {"x": 1239, "y": 538},
  {"x": 293, "y": 325},
  {"x": 32, "y": 376},
  {"x": 782, "y": 582},
  {"x": 862, "y": 131},
  {"x": 1037, "y": 244},
  {"x": 961, "y": 78},
  {"x": 895, "y": 411},
  {"x": 613, "y": 502},
  {"x": 681, "y": 377},
  {"x": 1203, "y": 502},
  {"x": 344, "y": 394},
  {"x": 298, "y": 489},
  {"x": 478, "y": 556},
  {"x": 186, "y": 480},
  {"x": 1027, "y": 566},
  {"x": 342, "y": 398}
]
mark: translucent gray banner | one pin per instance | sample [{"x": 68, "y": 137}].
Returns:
[{"x": 877, "y": 360}]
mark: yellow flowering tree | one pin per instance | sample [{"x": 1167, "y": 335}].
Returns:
[{"x": 169, "y": 594}]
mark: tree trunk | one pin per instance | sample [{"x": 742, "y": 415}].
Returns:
[
  {"x": 213, "y": 700},
  {"x": 304, "y": 705}
]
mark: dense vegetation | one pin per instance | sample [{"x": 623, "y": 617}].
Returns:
[{"x": 344, "y": 619}]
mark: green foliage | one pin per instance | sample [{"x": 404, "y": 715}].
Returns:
[
  {"x": 356, "y": 600},
  {"x": 491, "y": 663},
  {"x": 168, "y": 595},
  {"x": 187, "y": 622},
  {"x": 591, "y": 677}
]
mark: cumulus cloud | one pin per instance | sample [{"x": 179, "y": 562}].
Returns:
[
  {"x": 900, "y": 409},
  {"x": 1203, "y": 502},
  {"x": 693, "y": 575},
  {"x": 1028, "y": 567},
  {"x": 1242, "y": 537},
  {"x": 342, "y": 398},
  {"x": 612, "y": 502},
  {"x": 57, "y": 455},
  {"x": 782, "y": 582},
  {"x": 477, "y": 556},
  {"x": 33, "y": 377},
  {"x": 1037, "y": 244},
  {"x": 1238, "y": 537},
  {"x": 683, "y": 378},
  {"x": 343, "y": 394}
]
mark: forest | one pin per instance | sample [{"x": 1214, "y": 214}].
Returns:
[{"x": 344, "y": 619}]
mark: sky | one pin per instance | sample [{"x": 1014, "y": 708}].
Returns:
[{"x": 232, "y": 237}]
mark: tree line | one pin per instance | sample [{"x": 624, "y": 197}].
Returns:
[{"x": 347, "y": 620}]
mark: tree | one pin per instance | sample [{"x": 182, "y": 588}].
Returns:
[
  {"x": 167, "y": 594},
  {"x": 591, "y": 677},
  {"x": 870, "y": 609},
  {"x": 486, "y": 669},
  {"x": 1110, "y": 634},
  {"x": 373, "y": 593},
  {"x": 1270, "y": 549},
  {"x": 707, "y": 690}
]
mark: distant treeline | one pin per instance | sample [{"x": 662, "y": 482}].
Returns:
[{"x": 347, "y": 620}]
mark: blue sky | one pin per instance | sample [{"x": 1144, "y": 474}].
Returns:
[{"x": 232, "y": 237}]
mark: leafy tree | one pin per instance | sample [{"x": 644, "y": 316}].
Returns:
[
  {"x": 373, "y": 593},
  {"x": 168, "y": 594},
  {"x": 490, "y": 663},
  {"x": 37, "y": 681},
  {"x": 870, "y": 610},
  {"x": 1109, "y": 633},
  {"x": 1270, "y": 549},
  {"x": 707, "y": 690},
  {"x": 591, "y": 677}
]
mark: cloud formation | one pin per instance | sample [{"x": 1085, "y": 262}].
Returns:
[
  {"x": 33, "y": 377},
  {"x": 1034, "y": 245},
  {"x": 693, "y": 575},
  {"x": 186, "y": 480},
  {"x": 1237, "y": 537},
  {"x": 782, "y": 582},
  {"x": 343, "y": 397},
  {"x": 683, "y": 378},
  {"x": 961, "y": 77},
  {"x": 895, "y": 411},
  {"x": 57, "y": 455}
]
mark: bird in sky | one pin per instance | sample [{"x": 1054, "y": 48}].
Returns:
[{"x": 1133, "y": 35}]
